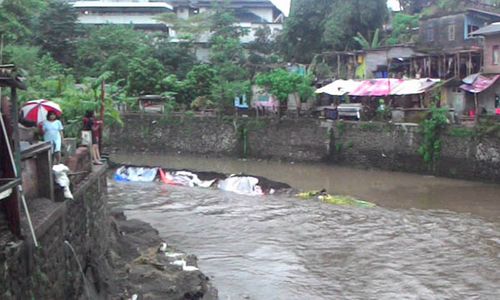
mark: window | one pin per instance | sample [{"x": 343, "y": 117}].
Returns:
[
  {"x": 451, "y": 32},
  {"x": 496, "y": 55},
  {"x": 430, "y": 33},
  {"x": 471, "y": 28}
]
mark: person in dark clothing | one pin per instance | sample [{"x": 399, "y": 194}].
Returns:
[{"x": 93, "y": 125}]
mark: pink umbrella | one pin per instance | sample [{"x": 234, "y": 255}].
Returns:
[{"x": 36, "y": 110}]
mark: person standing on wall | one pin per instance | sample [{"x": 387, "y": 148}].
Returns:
[
  {"x": 53, "y": 132},
  {"x": 92, "y": 125}
]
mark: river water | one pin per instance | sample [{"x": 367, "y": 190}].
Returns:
[{"x": 429, "y": 238}]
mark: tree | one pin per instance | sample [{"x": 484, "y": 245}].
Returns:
[
  {"x": 187, "y": 29},
  {"x": 227, "y": 57},
  {"x": 402, "y": 28},
  {"x": 110, "y": 48},
  {"x": 262, "y": 49},
  {"x": 302, "y": 35},
  {"x": 198, "y": 83},
  {"x": 281, "y": 83},
  {"x": 411, "y": 7},
  {"x": 57, "y": 31},
  {"x": 144, "y": 76},
  {"x": 24, "y": 57},
  {"x": 18, "y": 19},
  {"x": 350, "y": 17},
  {"x": 315, "y": 26},
  {"x": 177, "y": 57}
]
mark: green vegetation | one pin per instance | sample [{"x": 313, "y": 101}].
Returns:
[
  {"x": 365, "y": 43},
  {"x": 462, "y": 132},
  {"x": 282, "y": 83},
  {"x": 63, "y": 60},
  {"x": 431, "y": 130},
  {"x": 318, "y": 25},
  {"x": 334, "y": 199},
  {"x": 403, "y": 26}
]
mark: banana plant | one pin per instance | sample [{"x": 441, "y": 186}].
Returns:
[{"x": 366, "y": 44}]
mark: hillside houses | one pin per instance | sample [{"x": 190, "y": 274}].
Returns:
[
  {"x": 460, "y": 48},
  {"x": 251, "y": 14}
]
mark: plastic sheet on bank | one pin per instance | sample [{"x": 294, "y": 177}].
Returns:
[
  {"x": 60, "y": 172},
  {"x": 243, "y": 185},
  {"x": 136, "y": 174}
]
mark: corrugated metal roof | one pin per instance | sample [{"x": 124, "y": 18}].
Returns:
[
  {"x": 339, "y": 87},
  {"x": 481, "y": 83},
  {"x": 488, "y": 30}
]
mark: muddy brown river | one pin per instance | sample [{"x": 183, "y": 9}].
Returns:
[{"x": 429, "y": 238}]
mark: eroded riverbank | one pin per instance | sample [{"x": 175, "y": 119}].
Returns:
[{"x": 139, "y": 268}]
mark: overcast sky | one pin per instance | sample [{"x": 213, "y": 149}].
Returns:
[{"x": 284, "y": 5}]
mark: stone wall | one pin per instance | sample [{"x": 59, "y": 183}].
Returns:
[
  {"x": 363, "y": 144},
  {"x": 301, "y": 140},
  {"x": 51, "y": 271},
  {"x": 395, "y": 147},
  {"x": 161, "y": 134}
]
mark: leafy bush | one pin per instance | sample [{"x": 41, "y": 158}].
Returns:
[
  {"x": 282, "y": 83},
  {"x": 431, "y": 129}
]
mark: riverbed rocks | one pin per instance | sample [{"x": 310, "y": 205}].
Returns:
[{"x": 140, "y": 269}]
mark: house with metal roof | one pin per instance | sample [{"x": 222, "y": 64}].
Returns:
[{"x": 491, "y": 52}]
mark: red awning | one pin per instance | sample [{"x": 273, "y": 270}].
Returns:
[
  {"x": 376, "y": 87},
  {"x": 480, "y": 84}
]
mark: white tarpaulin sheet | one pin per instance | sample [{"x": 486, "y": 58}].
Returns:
[
  {"x": 243, "y": 185},
  {"x": 185, "y": 178},
  {"x": 136, "y": 174},
  {"x": 339, "y": 87}
]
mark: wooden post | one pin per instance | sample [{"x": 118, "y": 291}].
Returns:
[
  {"x": 476, "y": 103},
  {"x": 44, "y": 173},
  {"x": 469, "y": 66},
  {"x": 15, "y": 129},
  {"x": 103, "y": 91},
  {"x": 338, "y": 66},
  {"x": 430, "y": 66},
  {"x": 481, "y": 61},
  {"x": 440, "y": 67},
  {"x": 411, "y": 68}
]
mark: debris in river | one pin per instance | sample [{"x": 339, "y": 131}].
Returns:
[
  {"x": 237, "y": 183},
  {"x": 334, "y": 199}
]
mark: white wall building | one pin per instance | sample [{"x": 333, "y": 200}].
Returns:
[
  {"x": 139, "y": 13},
  {"x": 251, "y": 14}
]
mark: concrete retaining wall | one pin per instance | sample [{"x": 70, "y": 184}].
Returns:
[{"x": 361, "y": 144}]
